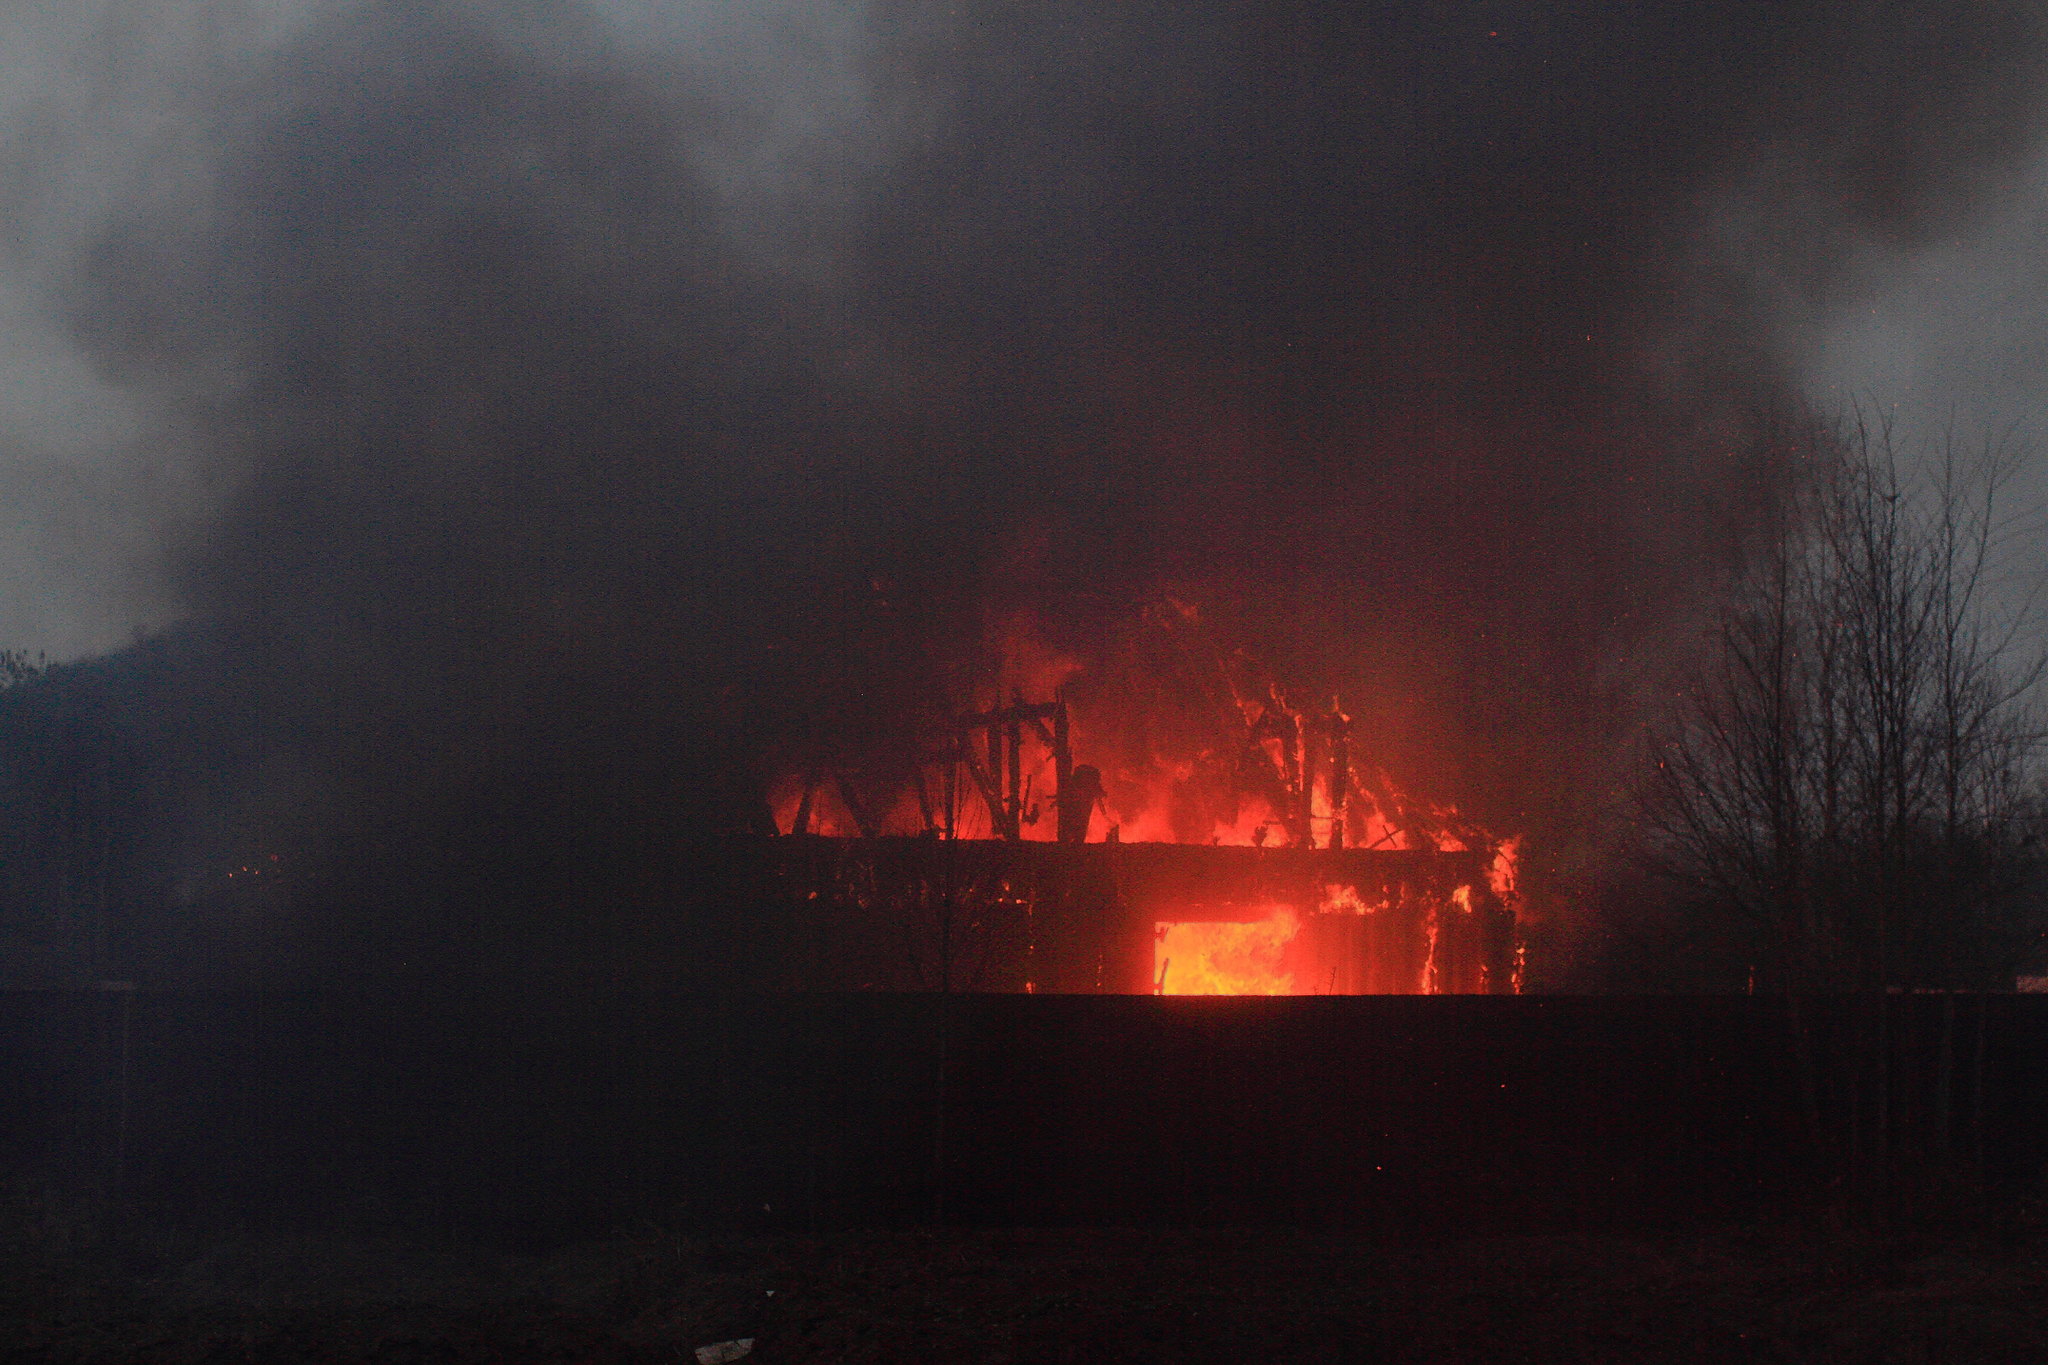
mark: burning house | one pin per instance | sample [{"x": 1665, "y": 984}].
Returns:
[
  {"x": 574, "y": 449},
  {"x": 968, "y": 875}
]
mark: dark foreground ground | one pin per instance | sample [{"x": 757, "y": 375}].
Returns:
[
  {"x": 1784, "y": 1293},
  {"x": 401, "y": 1176}
]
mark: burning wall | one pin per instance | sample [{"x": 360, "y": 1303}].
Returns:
[{"x": 1177, "y": 919}]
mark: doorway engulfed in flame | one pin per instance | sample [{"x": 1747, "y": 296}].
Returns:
[
  {"x": 1227, "y": 958},
  {"x": 1421, "y": 945}
]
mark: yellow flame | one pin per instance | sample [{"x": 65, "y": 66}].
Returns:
[{"x": 1226, "y": 959}]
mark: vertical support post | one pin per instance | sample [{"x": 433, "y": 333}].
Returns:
[
  {"x": 1061, "y": 750},
  {"x": 999, "y": 805},
  {"x": 951, "y": 794},
  {"x": 856, "y": 807},
  {"x": 1340, "y": 771},
  {"x": 1013, "y": 745},
  {"x": 802, "y": 823},
  {"x": 1303, "y": 781}
]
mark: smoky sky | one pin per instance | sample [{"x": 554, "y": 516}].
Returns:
[{"x": 588, "y": 403}]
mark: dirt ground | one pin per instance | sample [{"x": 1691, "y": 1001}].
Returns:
[{"x": 76, "y": 1293}]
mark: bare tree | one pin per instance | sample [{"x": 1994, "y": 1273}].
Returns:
[
  {"x": 1851, "y": 773},
  {"x": 1851, "y": 778}
]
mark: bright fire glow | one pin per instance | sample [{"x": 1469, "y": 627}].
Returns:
[
  {"x": 1501, "y": 873},
  {"x": 1227, "y": 959},
  {"x": 1258, "y": 957},
  {"x": 1275, "y": 954}
]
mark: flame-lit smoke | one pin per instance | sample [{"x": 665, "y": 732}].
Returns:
[{"x": 1190, "y": 749}]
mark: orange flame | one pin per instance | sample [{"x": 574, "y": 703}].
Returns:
[
  {"x": 1277, "y": 954},
  {"x": 1503, "y": 871}
]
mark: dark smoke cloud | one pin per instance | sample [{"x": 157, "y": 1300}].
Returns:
[{"x": 604, "y": 414}]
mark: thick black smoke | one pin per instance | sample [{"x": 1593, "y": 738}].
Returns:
[{"x": 580, "y": 465}]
